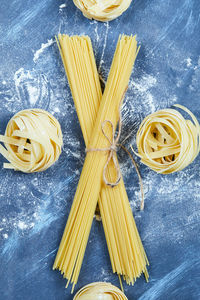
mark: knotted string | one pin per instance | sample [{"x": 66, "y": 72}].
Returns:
[{"x": 112, "y": 154}]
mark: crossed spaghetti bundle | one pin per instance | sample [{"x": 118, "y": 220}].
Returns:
[{"x": 126, "y": 251}]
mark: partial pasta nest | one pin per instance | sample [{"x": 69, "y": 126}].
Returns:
[
  {"x": 100, "y": 291},
  {"x": 33, "y": 141},
  {"x": 102, "y": 10}
]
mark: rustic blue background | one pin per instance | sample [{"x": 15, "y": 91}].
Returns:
[{"x": 34, "y": 207}]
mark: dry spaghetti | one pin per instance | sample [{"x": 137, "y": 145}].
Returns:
[
  {"x": 33, "y": 141},
  {"x": 126, "y": 251},
  {"x": 167, "y": 142}
]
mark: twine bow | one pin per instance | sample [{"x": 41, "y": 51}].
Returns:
[
  {"x": 113, "y": 147},
  {"x": 112, "y": 154}
]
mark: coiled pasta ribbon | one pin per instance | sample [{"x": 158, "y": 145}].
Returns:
[
  {"x": 33, "y": 141},
  {"x": 167, "y": 142},
  {"x": 102, "y": 10},
  {"x": 100, "y": 291}
]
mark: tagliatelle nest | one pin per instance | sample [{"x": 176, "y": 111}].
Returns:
[
  {"x": 102, "y": 10},
  {"x": 100, "y": 291},
  {"x": 33, "y": 141},
  {"x": 167, "y": 142}
]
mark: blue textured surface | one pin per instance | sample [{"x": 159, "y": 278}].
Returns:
[{"x": 34, "y": 207}]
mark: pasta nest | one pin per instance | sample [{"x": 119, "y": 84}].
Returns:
[
  {"x": 33, "y": 141},
  {"x": 102, "y": 10},
  {"x": 100, "y": 291},
  {"x": 167, "y": 142}
]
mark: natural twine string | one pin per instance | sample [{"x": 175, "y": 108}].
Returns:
[{"x": 112, "y": 154}]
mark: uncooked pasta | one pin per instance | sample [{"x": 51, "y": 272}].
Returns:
[
  {"x": 126, "y": 251},
  {"x": 102, "y": 10},
  {"x": 167, "y": 142},
  {"x": 100, "y": 291},
  {"x": 33, "y": 141}
]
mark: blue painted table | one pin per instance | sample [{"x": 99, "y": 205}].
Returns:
[{"x": 34, "y": 207}]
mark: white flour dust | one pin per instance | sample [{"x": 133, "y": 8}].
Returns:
[
  {"x": 22, "y": 225},
  {"x": 104, "y": 47},
  {"x": 194, "y": 85},
  {"x": 104, "y": 275},
  {"x": 42, "y": 48},
  {"x": 97, "y": 36},
  {"x": 32, "y": 88},
  {"x": 142, "y": 88},
  {"x": 63, "y": 5},
  {"x": 25, "y": 80},
  {"x": 188, "y": 62}
]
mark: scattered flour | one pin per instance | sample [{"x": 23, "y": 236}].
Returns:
[
  {"x": 104, "y": 275},
  {"x": 194, "y": 84},
  {"x": 19, "y": 222},
  {"x": 32, "y": 88},
  {"x": 62, "y": 6},
  {"x": 188, "y": 62},
  {"x": 35, "y": 215},
  {"x": 96, "y": 31},
  {"x": 142, "y": 88},
  {"x": 22, "y": 225},
  {"x": 25, "y": 85},
  {"x": 56, "y": 109},
  {"x": 43, "y": 47},
  {"x": 5, "y": 235},
  {"x": 33, "y": 92},
  {"x": 144, "y": 84},
  {"x": 104, "y": 46}
]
